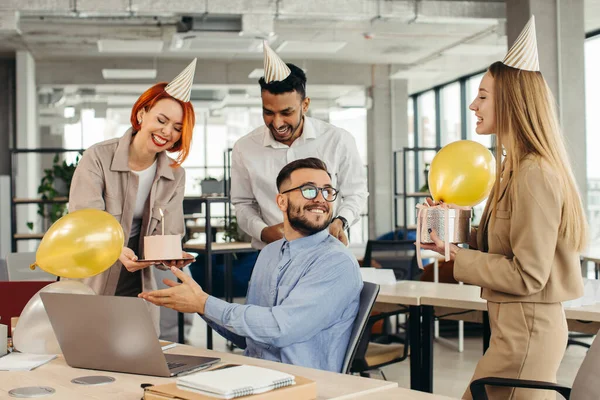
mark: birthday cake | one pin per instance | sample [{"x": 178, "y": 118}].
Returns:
[{"x": 162, "y": 247}]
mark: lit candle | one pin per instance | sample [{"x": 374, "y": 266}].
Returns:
[{"x": 162, "y": 215}]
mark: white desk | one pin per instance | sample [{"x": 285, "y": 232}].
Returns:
[
  {"x": 404, "y": 292},
  {"x": 57, "y": 374},
  {"x": 591, "y": 254},
  {"x": 402, "y": 394},
  {"x": 425, "y": 296},
  {"x": 413, "y": 292}
]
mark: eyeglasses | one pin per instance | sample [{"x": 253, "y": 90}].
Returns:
[{"x": 310, "y": 192}]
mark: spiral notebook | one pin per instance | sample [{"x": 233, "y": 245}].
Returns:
[{"x": 237, "y": 381}]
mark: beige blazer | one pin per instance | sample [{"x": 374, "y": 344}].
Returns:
[
  {"x": 525, "y": 261},
  {"x": 103, "y": 180}
]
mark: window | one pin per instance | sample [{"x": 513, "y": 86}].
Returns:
[
  {"x": 354, "y": 120},
  {"x": 427, "y": 119},
  {"x": 592, "y": 120},
  {"x": 450, "y": 113},
  {"x": 409, "y": 173},
  {"x": 214, "y": 134},
  {"x": 427, "y": 135},
  {"x": 472, "y": 91},
  {"x": 410, "y": 156},
  {"x": 87, "y": 131}
]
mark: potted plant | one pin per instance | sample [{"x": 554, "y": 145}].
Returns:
[
  {"x": 210, "y": 185},
  {"x": 56, "y": 182},
  {"x": 232, "y": 233},
  {"x": 425, "y": 187}
]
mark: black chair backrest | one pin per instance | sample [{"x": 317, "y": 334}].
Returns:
[
  {"x": 368, "y": 295},
  {"x": 587, "y": 385},
  {"x": 397, "y": 255}
]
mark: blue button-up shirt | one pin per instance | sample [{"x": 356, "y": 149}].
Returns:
[{"x": 301, "y": 305}]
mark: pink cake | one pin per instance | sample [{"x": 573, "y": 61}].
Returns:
[{"x": 162, "y": 247}]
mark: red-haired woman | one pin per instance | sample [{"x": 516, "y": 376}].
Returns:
[{"x": 132, "y": 178}]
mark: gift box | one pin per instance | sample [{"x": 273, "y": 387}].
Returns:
[{"x": 454, "y": 222}]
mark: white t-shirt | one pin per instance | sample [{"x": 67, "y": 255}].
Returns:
[{"x": 146, "y": 178}]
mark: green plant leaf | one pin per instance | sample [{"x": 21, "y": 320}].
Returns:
[{"x": 61, "y": 171}]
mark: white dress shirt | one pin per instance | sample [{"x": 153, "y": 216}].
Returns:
[{"x": 257, "y": 159}]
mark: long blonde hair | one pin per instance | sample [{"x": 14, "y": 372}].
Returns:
[{"x": 526, "y": 124}]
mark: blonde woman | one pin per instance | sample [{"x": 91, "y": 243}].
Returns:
[{"x": 531, "y": 232}]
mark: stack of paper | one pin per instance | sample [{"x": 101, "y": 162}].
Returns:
[{"x": 24, "y": 361}]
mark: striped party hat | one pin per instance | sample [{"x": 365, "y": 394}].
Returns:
[
  {"x": 523, "y": 54},
  {"x": 275, "y": 68},
  {"x": 180, "y": 88}
]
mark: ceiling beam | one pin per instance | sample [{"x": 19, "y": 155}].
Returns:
[
  {"x": 287, "y": 9},
  {"x": 88, "y": 71}
]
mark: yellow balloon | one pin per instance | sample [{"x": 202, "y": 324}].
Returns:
[
  {"x": 462, "y": 173},
  {"x": 81, "y": 244}
]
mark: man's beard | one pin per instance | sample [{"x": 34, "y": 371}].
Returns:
[
  {"x": 293, "y": 129},
  {"x": 302, "y": 224}
]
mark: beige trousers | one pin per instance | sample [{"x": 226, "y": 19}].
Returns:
[{"x": 528, "y": 341}]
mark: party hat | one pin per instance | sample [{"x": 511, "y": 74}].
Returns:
[
  {"x": 275, "y": 68},
  {"x": 523, "y": 54},
  {"x": 180, "y": 88}
]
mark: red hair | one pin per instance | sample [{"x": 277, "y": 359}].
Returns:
[{"x": 148, "y": 99}]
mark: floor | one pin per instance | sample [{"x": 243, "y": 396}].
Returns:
[{"x": 452, "y": 370}]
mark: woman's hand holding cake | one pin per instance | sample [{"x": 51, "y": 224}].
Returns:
[{"x": 130, "y": 260}]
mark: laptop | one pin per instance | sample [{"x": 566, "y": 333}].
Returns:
[{"x": 112, "y": 333}]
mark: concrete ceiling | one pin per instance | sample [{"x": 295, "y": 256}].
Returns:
[
  {"x": 54, "y": 98},
  {"x": 426, "y": 41}
]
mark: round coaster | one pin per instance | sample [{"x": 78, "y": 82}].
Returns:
[
  {"x": 93, "y": 380},
  {"x": 31, "y": 391}
]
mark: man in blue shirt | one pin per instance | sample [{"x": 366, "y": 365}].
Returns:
[{"x": 304, "y": 292}]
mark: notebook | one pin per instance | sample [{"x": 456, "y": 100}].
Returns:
[{"x": 237, "y": 381}]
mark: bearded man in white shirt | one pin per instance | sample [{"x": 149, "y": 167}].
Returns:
[{"x": 289, "y": 135}]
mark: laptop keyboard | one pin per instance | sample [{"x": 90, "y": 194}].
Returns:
[{"x": 173, "y": 365}]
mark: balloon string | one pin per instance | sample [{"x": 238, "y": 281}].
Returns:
[
  {"x": 447, "y": 233},
  {"x": 420, "y": 216}
]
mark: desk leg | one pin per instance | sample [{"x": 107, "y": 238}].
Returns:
[
  {"x": 228, "y": 278},
  {"x": 229, "y": 287},
  {"x": 414, "y": 325},
  {"x": 427, "y": 349},
  {"x": 180, "y": 326},
  {"x": 486, "y": 331},
  {"x": 436, "y": 279},
  {"x": 208, "y": 271}
]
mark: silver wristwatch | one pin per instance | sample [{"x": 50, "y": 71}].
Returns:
[{"x": 344, "y": 222}]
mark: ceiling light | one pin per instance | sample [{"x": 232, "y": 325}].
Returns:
[
  {"x": 69, "y": 112},
  {"x": 130, "y": 46},
  {"x": 128, "y": 73},
  {"x": 475, "y": 50},
  {"x": 414, "y": 74},
  {"x": 256, "y": 73},
  {"x": 445, "y": 20},
  {"x": 305, "y": 46}
]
